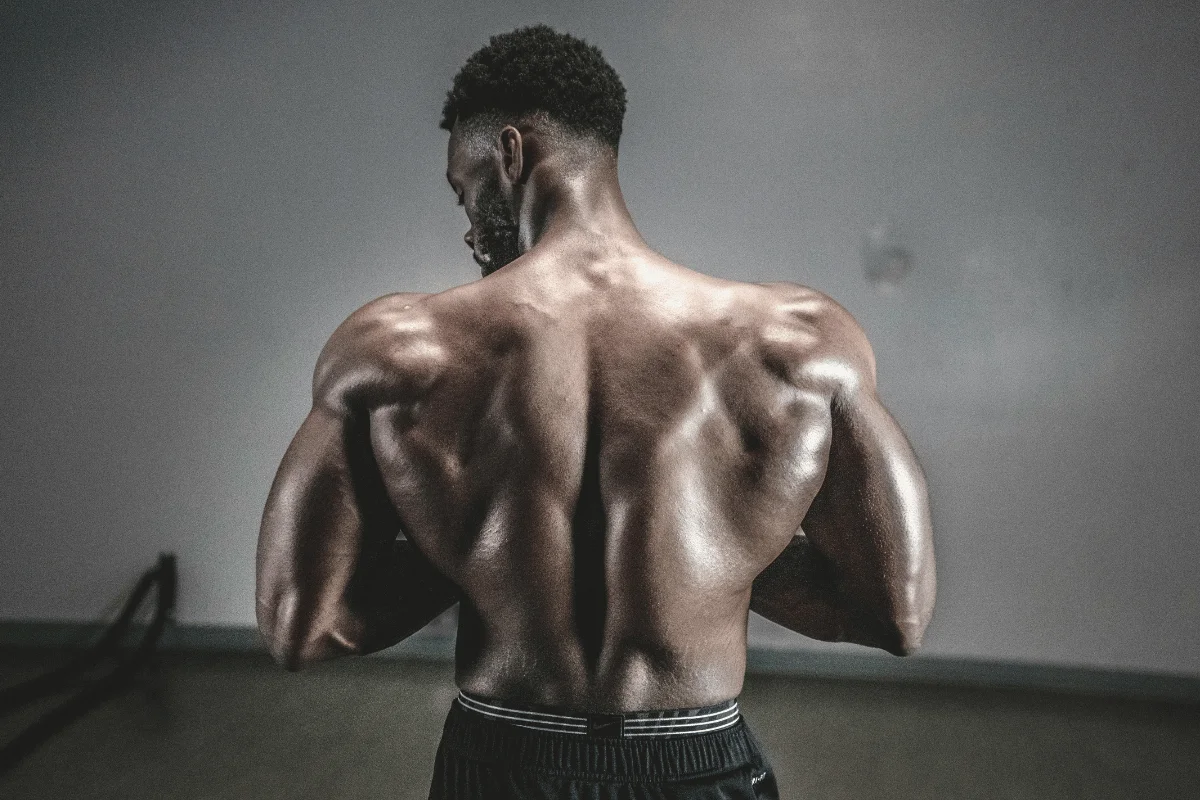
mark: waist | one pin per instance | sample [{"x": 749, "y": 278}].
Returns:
[
  {"x": 658, "y": 723},
  {"x": 652, "y": 753}
]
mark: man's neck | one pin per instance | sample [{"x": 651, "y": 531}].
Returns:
[{"x": 567, "y": 207}]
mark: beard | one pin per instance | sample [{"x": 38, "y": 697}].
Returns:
[{"x": 496, "y": 229}]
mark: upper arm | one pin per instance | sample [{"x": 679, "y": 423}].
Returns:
[
  {"x": 871, "y": 514},
  {"x": 310, "y": 540},
  {"x": 327, "y": 505},
  {"x": 329, "y": 463}
]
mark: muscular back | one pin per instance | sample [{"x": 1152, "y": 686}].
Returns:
[{"x": 602, "y": 462}]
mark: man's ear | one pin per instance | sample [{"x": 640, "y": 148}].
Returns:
[{"x": 512, "y": 154}]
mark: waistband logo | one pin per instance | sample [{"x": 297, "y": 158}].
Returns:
[{"x": 606, "y": 725}]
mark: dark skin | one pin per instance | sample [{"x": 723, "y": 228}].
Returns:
[{"x": 606, "y": 458}]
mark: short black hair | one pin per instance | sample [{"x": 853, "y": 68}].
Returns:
[{"x": 536, "y": 68}]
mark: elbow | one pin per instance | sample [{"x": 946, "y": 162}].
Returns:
[
  {"x": 293, "y": 642},
  {"x": 898, "y": 635},
  {"x": 287, "y": 652},
  {"x": 906, "y": 629},
  {"x": 895, "y": 632},
  {"x": 277, "y": 626},
  {"x": 905, "y": 637},
  {"x": 290, "y": 658}
]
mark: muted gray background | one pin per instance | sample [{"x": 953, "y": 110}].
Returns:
[{"x": 192, "y": 196}]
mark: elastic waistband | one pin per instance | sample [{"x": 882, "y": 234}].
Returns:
[
  {"x": 670, "y": 722},
  {"x": 642, "y": 751}
]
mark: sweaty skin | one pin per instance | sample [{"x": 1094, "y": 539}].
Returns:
[{"x": 608, "y": 459}]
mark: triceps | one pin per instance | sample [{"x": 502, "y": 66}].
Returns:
[{"x": 871, "y": 519}]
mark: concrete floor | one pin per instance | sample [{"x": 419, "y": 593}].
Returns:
[{"x": 235, "y": 726}]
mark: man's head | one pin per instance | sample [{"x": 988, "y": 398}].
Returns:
[{"x": 532, "y": 76}]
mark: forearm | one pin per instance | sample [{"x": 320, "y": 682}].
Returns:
[{"x": 801, "y": 591}]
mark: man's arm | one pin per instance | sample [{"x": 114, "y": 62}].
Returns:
[
  {"x": 862, "y": 568},
  {"x": 332, "y": 577}
]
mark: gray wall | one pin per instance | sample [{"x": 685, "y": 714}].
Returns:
[{"x": 192, "y": 197}]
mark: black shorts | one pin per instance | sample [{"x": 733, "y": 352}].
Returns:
[{"x": 496, "y": 751}]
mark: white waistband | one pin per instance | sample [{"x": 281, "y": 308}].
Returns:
[{"x": 661, "y": 723}]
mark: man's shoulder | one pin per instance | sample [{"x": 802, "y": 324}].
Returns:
[
  {"x": 386, "y": 325},
  {"x": 828, "y": 343},
  {"x": 806, "y": 303},
  {"x": 385, "y": 309},
  {"x": 384, "y": 350}
]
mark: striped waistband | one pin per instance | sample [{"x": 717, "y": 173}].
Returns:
[{"x": 670, "y": 722}]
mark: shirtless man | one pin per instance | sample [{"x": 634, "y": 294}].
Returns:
[{"x": 608, "y": 459}]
